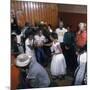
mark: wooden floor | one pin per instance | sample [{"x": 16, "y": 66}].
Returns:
[{"x": 66, "y": 81}]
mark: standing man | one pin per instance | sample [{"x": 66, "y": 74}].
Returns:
[
  {"x": 69, "y": 51},
  {"x": 39, "y": 41},
  {"x": 60, "y": 31}
]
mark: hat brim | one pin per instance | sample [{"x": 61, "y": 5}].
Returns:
[{"x": 23, "y": 64}]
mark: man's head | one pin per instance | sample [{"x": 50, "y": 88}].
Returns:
[
  {"x": 53, "y": 36},
  {"x": 40, "y": 32},
  {"x": 30, "y": 36},
  {"x": 61, "y": 24}
]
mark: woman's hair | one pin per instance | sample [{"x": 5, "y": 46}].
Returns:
[{"x": 54, "y": 35}]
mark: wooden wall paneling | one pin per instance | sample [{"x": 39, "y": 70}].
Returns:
[
  {"x": 56, "y": 10},
  {"x": 35, "y": 16},
  {"x": 40, "y": 10},
  {"x": 18, "y": 3},
  {"x": 23, "y": 14},
  {"x": 73, "y": 19},
  {"x": 27, "y": 11},
  {"x": 25, "y": 4},
  {"x": 31, "y": 8},
  {"x": 15, "y": 7},
  {"x": 48, "y": 13},
  {"x": 45, "y": 11},
  {"x": 23, "y": 9},
  {"x": 36, "y": 11},
  {"x": 32, "y": 12},
  {"x": 51, "y": 16},
  {"x": 29, "y": 14}
]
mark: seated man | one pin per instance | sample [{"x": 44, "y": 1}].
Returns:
[{"x": 36, "y": 75}]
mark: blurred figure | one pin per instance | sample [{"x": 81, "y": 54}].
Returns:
[
  {"x": 16, "y": 48},
  {"x": 14, "y": 25}
]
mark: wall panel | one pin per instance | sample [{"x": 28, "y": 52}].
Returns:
[
  {"x": 73, "y": 19},
  {"x": 35, "y": 11}
]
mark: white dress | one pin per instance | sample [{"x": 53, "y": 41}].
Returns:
[
  {"x": 58, "y": 64},
  {"x": 80, "y": 71}
]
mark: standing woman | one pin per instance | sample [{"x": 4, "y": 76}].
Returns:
[
  {"x": 81, "y": 36},
  {"x": 58, "y": 64},
  {"x": 81, "y": 44},
  {"x": 81, "y": 70}
]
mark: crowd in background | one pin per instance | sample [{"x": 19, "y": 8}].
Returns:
[{"x": 36, "y": 47}]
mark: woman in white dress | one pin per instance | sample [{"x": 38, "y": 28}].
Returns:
[
  {"x": 58, "y": 64},
  {"x": 81, "y": 69}
]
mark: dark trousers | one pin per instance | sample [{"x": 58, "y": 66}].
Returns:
[
  {"x": 40, "y": 55},
  {"x": 70, "y": 57}
]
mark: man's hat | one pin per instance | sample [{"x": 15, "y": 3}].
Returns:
[{"x": 23, "y": 60}]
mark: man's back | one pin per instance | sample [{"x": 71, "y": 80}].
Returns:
[{"x": 39, "y": 75}]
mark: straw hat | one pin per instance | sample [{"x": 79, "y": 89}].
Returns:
[{"x": 23, "y": 60}]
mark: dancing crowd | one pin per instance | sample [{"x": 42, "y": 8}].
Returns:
[{"x": 37, "y": 47}]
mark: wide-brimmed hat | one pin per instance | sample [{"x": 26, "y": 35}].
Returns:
[{"x": 23, "y": 60}]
